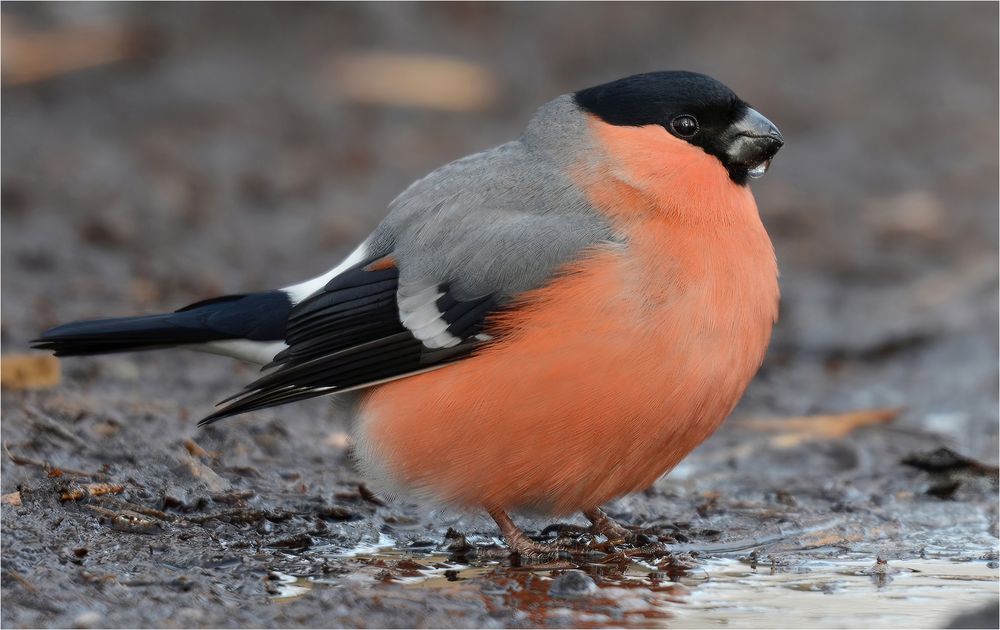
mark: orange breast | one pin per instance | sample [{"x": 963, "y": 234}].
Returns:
[
  {"x": 603, "y": 381},
  {"x": 606, "y": 381}
]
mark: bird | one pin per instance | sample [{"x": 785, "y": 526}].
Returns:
[{"x": 541, "y": 327}]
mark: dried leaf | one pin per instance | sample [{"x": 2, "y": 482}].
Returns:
[
  {"x": 829, "y": 426},
  {"x": 212, "y": 480},
  {"x": 414, "y": 80},
  {"x": 14, "y": 498},
  {"x": 797, "y": 430},
  {"x": 29, "y": 371},
  {"x": 29, "y": 57},
  {"x": 195, "y": 450}
]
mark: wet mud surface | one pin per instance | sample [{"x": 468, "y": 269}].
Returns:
[{"x": 855, "y": 486}]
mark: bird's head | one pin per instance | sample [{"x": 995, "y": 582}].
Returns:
[{"x": 662, "y": 109}]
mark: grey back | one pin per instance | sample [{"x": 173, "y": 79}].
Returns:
[{"x": 497, "y": 222}]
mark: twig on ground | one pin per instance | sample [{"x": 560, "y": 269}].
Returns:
[
  {"x": 46, "y": 466},
  {"x": 44, "y": 422},
  {"x": 147, "y": 511},
  {"x": 20, "y": 580},
  {"x": 126, "y": 520},
  {"x": 75, "y": 493},
  {"x": 243, "y": 516}
]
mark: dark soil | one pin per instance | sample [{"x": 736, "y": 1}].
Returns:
[{"x": 223, "y": 158}]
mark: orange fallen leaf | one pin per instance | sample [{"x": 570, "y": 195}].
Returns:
[
  {"x": 414, "y": 80},
  {"x": 797, "y": 430},
  {"x": 29, "y": 371},
  {"x": 194, "y": 449},
  {"x": 32, "y": 56}
]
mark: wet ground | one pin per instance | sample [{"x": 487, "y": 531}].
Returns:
[{"x": 219, "y": 149}]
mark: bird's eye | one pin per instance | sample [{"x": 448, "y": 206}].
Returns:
[{"x": 684, "y": 125}]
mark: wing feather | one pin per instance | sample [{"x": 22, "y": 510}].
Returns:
[
  {"x": 352, "y": 334},
  {"x": 458, "y": 245}
]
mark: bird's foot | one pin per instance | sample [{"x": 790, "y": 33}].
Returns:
[
  {"x": 532, "y": 550},
  {"x": 519, "y": 542},
  {"x": 615, "y": 532}
]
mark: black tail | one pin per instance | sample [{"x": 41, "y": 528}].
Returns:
[{"x": 254, "y": 316}]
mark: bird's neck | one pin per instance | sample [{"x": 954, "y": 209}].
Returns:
[{"x": 644, "y": 173}]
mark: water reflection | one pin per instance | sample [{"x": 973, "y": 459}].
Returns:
[{"x": 618, "y": 591}]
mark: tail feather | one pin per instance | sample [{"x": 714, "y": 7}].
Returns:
[{"x": 254, "y": 316}]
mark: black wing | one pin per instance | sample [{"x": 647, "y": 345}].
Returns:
[{"x": 349, "y": 335}]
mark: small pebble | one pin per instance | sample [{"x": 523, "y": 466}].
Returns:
[
  {"x": 572, "y": 584},
  {"x": 189, "y": 616},
  {"x": 88, "y": 619}
]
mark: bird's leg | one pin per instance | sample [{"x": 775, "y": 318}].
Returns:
[
  {"x": 517, "y": 540},
  {"x": 601, "y": 523}
]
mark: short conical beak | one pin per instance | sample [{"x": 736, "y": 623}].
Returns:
[{"x": 755, "y": 140}]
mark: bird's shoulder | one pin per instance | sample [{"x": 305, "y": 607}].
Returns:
[{"x": 499, "y": 221}]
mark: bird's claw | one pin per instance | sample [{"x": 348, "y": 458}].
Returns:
[
  {"x": 531, "y": 550},
  {"x": 616, "y": 533}
]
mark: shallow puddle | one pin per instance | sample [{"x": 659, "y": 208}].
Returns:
[
  {"x": 721, "y": 590},
  {"x": 838, "y": 593}
]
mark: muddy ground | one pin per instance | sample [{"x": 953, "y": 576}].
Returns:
[{"x": 226, "y": 150}]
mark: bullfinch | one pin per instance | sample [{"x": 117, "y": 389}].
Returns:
[{"x": 543, "y": 326}]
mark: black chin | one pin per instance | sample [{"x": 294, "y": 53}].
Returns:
[
  {"x": 738, "y": 173},
  {"x": 748, "y": 153}
]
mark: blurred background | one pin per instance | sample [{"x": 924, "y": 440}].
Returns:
[
  {"x": 155, "y": 154},
  {"x": 159, "y": 154}
]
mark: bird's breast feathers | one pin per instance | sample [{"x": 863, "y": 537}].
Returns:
[{"x": 630, "y": 357}]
